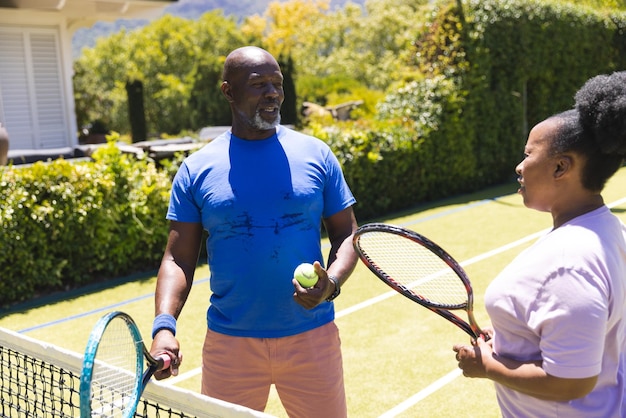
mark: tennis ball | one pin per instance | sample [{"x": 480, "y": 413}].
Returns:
[{"x": 305, "y": 275}]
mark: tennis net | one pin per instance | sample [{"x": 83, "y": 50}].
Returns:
[{"x": 40, "y": 380}]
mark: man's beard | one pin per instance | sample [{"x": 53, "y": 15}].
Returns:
[{"x": 257, "y": 122}]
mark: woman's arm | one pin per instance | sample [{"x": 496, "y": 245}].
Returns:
[{"x": 529, "y": 378}]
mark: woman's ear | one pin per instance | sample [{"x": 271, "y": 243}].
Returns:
[{"x": 564, "y": 164}]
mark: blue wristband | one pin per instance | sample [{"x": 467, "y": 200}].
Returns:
[{"x": 164, "y": 321}]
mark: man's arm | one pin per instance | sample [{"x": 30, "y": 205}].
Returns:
[
  {"x": 174, "y": 281},
  {"x": 178, "y": 266},
  {"x": 342, "y": 258}
]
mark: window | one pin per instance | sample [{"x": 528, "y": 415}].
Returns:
[{"x": 32, "y": 105}]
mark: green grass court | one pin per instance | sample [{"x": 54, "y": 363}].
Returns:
[{"x": 398, "y": 356}]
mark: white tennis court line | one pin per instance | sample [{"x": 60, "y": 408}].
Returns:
[
  {"x": 617, "y": 203},
  {"x": 432, "y": 388},
  {"x": 443, "y": 380},
  {"x": 181, "y": 377}
]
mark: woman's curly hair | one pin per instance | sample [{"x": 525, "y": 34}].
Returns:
[{"x": 596, "y": 128}]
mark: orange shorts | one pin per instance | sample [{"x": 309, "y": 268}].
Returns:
[{"x": 306, "y": 369}]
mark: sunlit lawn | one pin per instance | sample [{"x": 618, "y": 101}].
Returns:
[{"x": 393, "y": 350}]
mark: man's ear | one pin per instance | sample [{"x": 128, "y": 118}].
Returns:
[
  {"x": 564, "y": 165},
  {"x": 226, "y": 91}
]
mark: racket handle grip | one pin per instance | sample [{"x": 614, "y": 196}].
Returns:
[{"x": 164, "y": 361}]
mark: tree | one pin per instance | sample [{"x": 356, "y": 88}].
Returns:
[
  {"x": 289, "y": 112},
  {"x": 178, "y": 61},
  {"x": 136, "y": 112}
]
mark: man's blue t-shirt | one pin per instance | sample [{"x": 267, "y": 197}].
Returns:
[{"x": 262, "y": 202}]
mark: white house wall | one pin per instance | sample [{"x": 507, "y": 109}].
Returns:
[
  {"x": 36, "y": 91},
  {"x": 36, "y": 99}
]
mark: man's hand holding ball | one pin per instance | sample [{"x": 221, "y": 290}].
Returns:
[{"x": 310, "y": 282}]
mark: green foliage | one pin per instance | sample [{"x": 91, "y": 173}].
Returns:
[
  {"x": 317, "y": 89},
  {"x": 361, "y": 50},
  {"x": 515, "y": 62},
  {"x": 602, "y": 4},
  {"x": 179, "y": 62},
  {"x": 65, "y": 224},
  {"x": 417, "y": 151},
  {"x": 527, "y": 59},
  {"x": 483, "y": 78},
  {"x": 364, "y": 44},
  {"x": 440, "y": 44}
]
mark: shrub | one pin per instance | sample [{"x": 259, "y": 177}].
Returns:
[{"x": 65, "y": 224}]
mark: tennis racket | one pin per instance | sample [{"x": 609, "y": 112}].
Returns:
[
  {"x": 419, "y": 269},
  {"x": 113, "y": 378}
]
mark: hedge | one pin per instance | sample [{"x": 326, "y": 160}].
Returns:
[
  {"x": 66, "y": 224},
  {"x": 487, "y": 76}
]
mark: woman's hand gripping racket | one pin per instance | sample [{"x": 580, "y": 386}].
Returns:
[
  {"x": 419, "y": 269},
  {"x": 112, "y": 378}
]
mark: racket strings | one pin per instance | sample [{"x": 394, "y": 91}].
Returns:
[
  {"x": 415, "y": 268},
  {"x": 114, "y": 381}
]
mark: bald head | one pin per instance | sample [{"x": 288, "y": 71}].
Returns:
[
  {"x": 245, "y": 58},
  {"x": 253, "y": 86}
]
